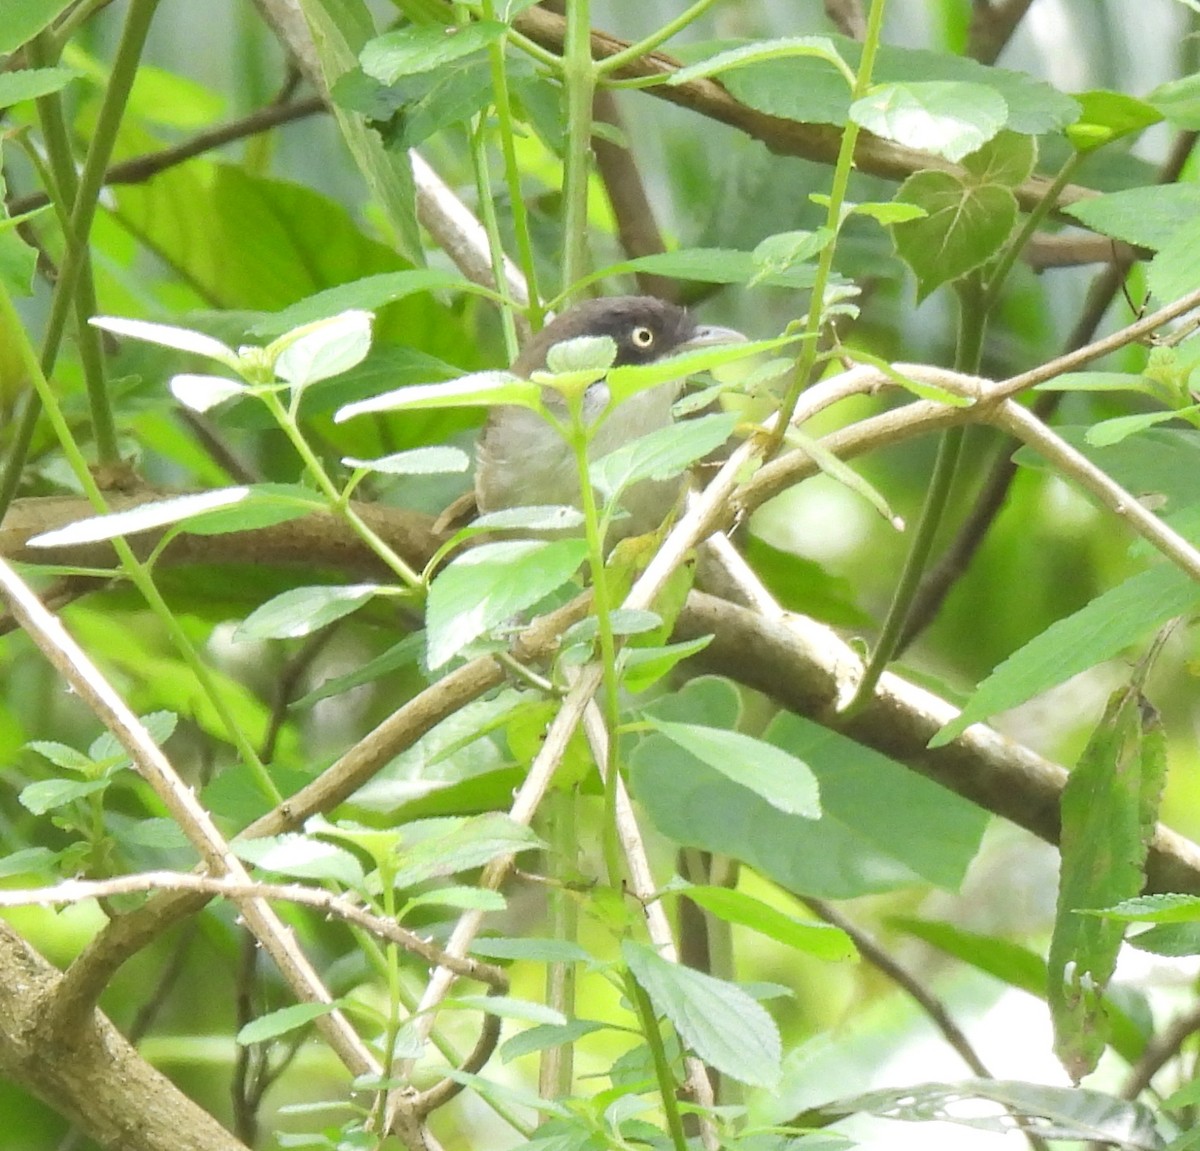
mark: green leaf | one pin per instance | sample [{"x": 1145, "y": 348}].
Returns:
[
  {"x": 276, "y": 1023},
  {"x": 432, "y": 461},
  {"x": 1149, "y": 217},
  {"x": 324, "y": 348},
  {"x": 302, "y": 857},
  {"x": 630, "y": 379},
  {"x": 708, "y": 266},
  {"x": 785, "y": 782},
  {"x": 107, "y": 750},
  {"x": 168, "y": 336},
  {"x": 536, "y": 518},
  {"x": 479, "y": 389},
  {"x": 61, "y": 755},
  {"x": 1098, "y": 382},
  {"x": 642, "y": 667},
  {"x": 1074, "y": 1113},
  {"x": 460, "y": 898},
  {"x": 1107, "y": 116},
  {"x": 543, "y": 1037},
  {"x": 777, "y": 253},
  {"x": 814, "y": 92},
  {"x": 583, "y": 354},
  {"x": 49, "y": 794},
  {"x": 367, "y": 294},
  {"x": 265, "y": 506},
  {"x": 947, "y": 118},
  {"x": 1179, "y": 101},
  {"x": 1010, "y": 962},
  {"x": 1008, "y": 158},
  {"x": 1173, "y": 272},
  {"x": 1171, "y": 908},
  {"x": 531, "y": 948},
  {"x": 1109, "y": 815},
  {"x": 491, "y": 584},
  {"x": 1098, "y": 631},
  {"x": 303, "y": 610},
  {"x": 815, "y": 938},
  {"x": 159, "y": 513},
  {"x": 661, "y": 454},
  {"x": 30, "y": 83},
  {"x": 1120, "y": 427},
  {"x": 508, "y": 1008},
  {"x": 200, "y": 392},
  {"x": 963, "y": 229},
  {"x": 452, "y": 845},
  {"x": 719, "y": 1022},
  {"x": 24, "y": 19},
  {"x": 856, "y": 847},
  {"x": 425, "y": 47},
  {"x": 785, "y": 48}
]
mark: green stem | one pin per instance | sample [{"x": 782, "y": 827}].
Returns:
[
  {"x": 556, "y": 1074},
  {"x": 579, "y": 78},
  {"x": 138, "y": 573},
  {"x": 972, "y": 324},
  {"x": 286, "y": 419},
  {"x": 1016, "y": 245},
  {"x": 602, "y": 605},
  {"x": 659, "y": 36},
  {"x": 487, "y": 214},
  {"x": 662, "y": 1067},
  {"x": 512, "y": 173},
  {"x": 833, "y": 221}
]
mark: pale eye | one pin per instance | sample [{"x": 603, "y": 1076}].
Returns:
[{"x": 642, "y": 337}]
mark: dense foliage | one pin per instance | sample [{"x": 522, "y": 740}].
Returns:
[{"x": 326, "y": 821}]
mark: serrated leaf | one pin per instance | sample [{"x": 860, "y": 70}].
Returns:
[
  {"x": 777, "y": 253},
  {"x": 1173, "y": 271},
  {"x": 158, "y": 725},
  {"x": 535, "y": 518},
  {"x": 509, "y": 1008},
  {"x": 946, "y": 117},
  {"x": 708, "y": 266},
  {"x": 1109, "y": 814},
  {"x": 367, "y": 294},
  {"x": 431, "y": 461},
  {"x": 1179, "y": 101},
  {"x": 1008, "y": 158},
  {"x": 1108, "y": 116},
  {"x": 425, "y": 47},
  {"x": 586, "y": 354},
  {"x": 784, "y": 781},
  {"x": 545, "y": 1036},
  {"x": 530, "y": 948},
  {"x": 168, "y": 336},
  {"x": 1113, "y": 431},
  {"x": 853, "y": 849},
  {"x": 964, "y": 227},
  {"x": 820, "y": 47},
  {"x": 303, "y": 610},
  {"x": 61, "y": 755},
  {"x": 280, "y": 1022},
  {"x": 454, "y": 845},
  {"x": 721, "y": 1023},
  {"x": 30, "y": 83},
  {"x": 24, "y": 19},
  {"x": 200, "y": 392},
  {"x": 479, "y": 389},
  {"x": 629, "y": 379},
  {"x": 1098, "y": 631},
  {"x": 159, "y": 513},
  {"x": 1169, "y": 908},
  {"x": 815, "y": 938},
  {"x": 460, "y": 898},
  {"x": 49, "y": 794},
  {"x": 1148, "y": 217},
  {"x": 661, "y": 454},
  {"x": 489, "y": 585},
  {"x": 1073, "y": 1113},
  {"x": 302, "y": 857},
  {"x": 324, "y": 348}
]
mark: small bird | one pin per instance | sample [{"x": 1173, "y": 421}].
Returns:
[{"x": 521, "y": 460}]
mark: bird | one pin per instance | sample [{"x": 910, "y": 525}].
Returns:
[{"x": 522, "y": 461}]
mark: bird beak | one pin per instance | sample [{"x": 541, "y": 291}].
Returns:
[{"x": 707, "y": 336}]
